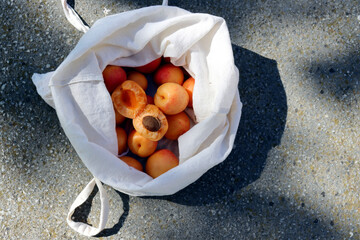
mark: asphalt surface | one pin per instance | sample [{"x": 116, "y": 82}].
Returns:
[{"x": 294, "y": 169}]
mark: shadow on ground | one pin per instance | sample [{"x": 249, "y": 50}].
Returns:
[
  {"x": 82, "y": 213},
  {"x": 338, "y": 77},
  {"x": 248, "y": 215}
]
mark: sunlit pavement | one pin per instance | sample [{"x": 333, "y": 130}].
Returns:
[{"x": 294, "y": 169}]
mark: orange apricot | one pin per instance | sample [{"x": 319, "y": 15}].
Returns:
[
  {"x": 129, "y": 99},
  {"x": 150, "y": 67},
  {"x": 121, "y": 139},
  {"x": 139, "y": 78},
  {"x": 171, "y": 98},
  {"x": 189, "y": 87},
  {"x": 113, "y": 77},
  {"x": 119, "y": 119},
  {"x": 160, "y": 162},
  {"x": 151, "y": 123},
  {"x": 178, "y": 125},
  {"x": 168, "y": 73},
  {"x": 132, "y": 162},
  {"x": 140, "y": 145}
]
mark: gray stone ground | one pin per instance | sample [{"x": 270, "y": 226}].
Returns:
[{"x": 294, "y": 170}]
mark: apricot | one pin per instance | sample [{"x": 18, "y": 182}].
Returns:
[
  {"x": 160, "y": 162},
  {"x": 150, "y": 67},
  {"x": 151, "y": 123},
  {"x": 168, "y": 73},
  {"x": 171, "y": 98},
  {"x": 150, "y": 99},
  {"x": 178, "y": 125},
  {"x": 129, "y": 99},
  {"x": 121, "y": 139},
  {"x": 189, "y": 87},
  {"x": 113, "y": 77},
  {"x": 140, "y": 145},
  {"x": 139, "y": 78},
  {"x": 119, "y": 119},
  {"x": 132, "y": 162}
]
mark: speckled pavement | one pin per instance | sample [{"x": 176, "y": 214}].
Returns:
[{"x": 294, "y": 169}]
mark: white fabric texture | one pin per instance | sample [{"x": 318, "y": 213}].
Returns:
[
  {"x": 84, "y": 228},
  {"x": 73, "y": 17},
  {"x": 199, "y": 42}
]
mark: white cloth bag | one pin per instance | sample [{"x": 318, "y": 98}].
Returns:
[{"x": 198, "y": 42}]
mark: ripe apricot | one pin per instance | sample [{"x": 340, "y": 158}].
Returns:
[
  {"x": 119, "y": 119},
  {"x": 151, "y": 123},
  {"x": 168, "y": 73},
  {"x": 140, "y": 145},
  {"x": 178, "y": 125},
  {"x": 171, "y": 98},
  {"x": 121, "y": 139},
  {"x": 150, "y": 67},
  {"x": 160, "y": 162},
  {"x": 139, "y": 78},
  {"x": 132, "y": 162},
  {"x": 113, "y": 77},
  {"x": 129, "y": 99},
  {"x": 189, "y": 87}
]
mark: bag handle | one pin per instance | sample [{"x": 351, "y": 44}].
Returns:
[
  {"x": 84, "y": 228},
  {"x": 75, "y": 19}
]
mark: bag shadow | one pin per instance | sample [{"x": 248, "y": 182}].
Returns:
[
  {"x": 82, "y": 213},
  {"x": 118, "y": 225},
  {"x": 261, "y": 127}
]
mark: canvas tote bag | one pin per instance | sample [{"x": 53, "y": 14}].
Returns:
[{"x": 76, "y": 90}]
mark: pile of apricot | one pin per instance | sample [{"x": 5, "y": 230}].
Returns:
[{"x": 153, "y": 116}]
